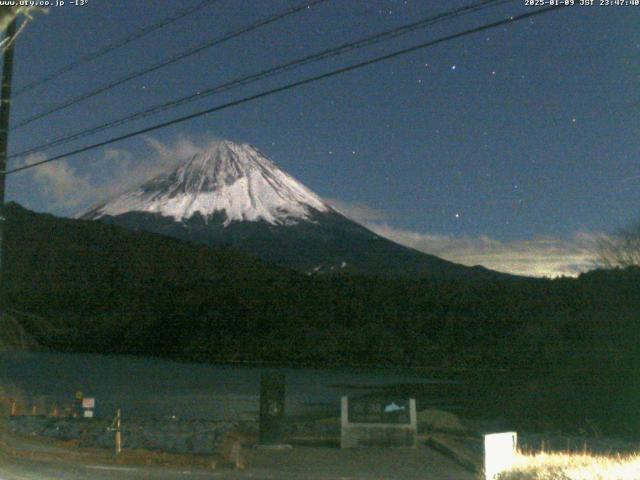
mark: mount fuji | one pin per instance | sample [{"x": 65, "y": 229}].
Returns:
[{"x": 232, "y": 194}]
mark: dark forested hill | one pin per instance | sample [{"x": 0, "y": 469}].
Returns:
[{"x": 114, "y": 291}]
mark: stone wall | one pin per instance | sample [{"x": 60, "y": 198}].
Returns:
[
  {"x": 200, "y": 437},
  {"x": 174, "y": 436}
]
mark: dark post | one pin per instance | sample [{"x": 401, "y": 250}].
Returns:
[
  {"x": 272, "y": 394},
  {"x": 5, "y": 106}
]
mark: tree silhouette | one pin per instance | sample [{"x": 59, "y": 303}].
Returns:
[{"x": 621, "y": 249}]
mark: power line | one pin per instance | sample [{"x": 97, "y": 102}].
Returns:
[
  {"x": 322, "y": 55},
  {"x": 115, "y": 45},
  {"x": 293, "y": 85},
  {"x": 168, "y": 61}
]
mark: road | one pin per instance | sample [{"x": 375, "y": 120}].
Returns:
[
  {"x": 299, "y": 463},
  {"x": 31, "y": 458},
  {"x": 31, "y": 470}
]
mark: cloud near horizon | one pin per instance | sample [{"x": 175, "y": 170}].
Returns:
[{"x": 538, "y": 257}]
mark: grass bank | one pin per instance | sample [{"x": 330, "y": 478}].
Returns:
[{"x": 574, "y": 466}]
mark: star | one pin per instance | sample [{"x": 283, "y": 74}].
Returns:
[
  {"x": 453, "y": 67},
  {"x": 457, "y": 215}
]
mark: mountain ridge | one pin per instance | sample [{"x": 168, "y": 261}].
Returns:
[
  {"x": 236, "y": 179},
  {"x": 233, "y": 194}
]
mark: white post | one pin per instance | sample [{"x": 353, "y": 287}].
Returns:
[
  {"x": 118, "y": 440},
  {"x": 499, "y": 453}
]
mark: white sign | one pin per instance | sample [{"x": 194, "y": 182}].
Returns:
[
  {"x": 378, "y": 422},
  {"x": 88, "y": 414},
  {"x": 499, "y": 453},
  {"x": 88, "y": 403}
]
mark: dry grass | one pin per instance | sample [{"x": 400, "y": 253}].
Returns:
[
  {"x": 432, "y": 420},
  {"x": 573, "y": 466}
]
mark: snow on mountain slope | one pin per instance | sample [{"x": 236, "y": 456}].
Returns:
[{"x": 234, "y": 179}]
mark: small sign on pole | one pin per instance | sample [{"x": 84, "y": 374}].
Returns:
[
  {"x": 88, "y": 405},
  {"x": 499, "y": 453}
]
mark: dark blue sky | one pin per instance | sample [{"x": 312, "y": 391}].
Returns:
[{"x": 515, "y": 134}]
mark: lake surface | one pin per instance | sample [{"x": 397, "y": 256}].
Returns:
[{"x": 150, "y": 387}]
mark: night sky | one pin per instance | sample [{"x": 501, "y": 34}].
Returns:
[{"x": 511, "y": 148}]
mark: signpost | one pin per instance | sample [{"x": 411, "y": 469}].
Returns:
[
  {"x": 85, "y": 405},
  {"x": 379, "y": 411},
  {"x": 379, "y": 421}
]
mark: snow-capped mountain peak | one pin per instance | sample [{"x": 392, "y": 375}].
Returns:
[{"x": 234, "y": 179}]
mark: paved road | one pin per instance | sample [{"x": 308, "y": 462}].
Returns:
[
  {"x": 30, "y": 458},
  {"x": 21, "y": 469},
  {"x": 298, "y": 464}
]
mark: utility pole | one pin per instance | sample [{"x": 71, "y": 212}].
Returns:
[
  {"x": 5, "y": 107},
  {"x": 116, "y": 426}
]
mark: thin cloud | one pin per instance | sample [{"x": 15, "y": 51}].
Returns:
[
  {"x": 538, "y": 257},
  {"x": 68, "y": 191},
  {"x": 358, "y": 211},
  {"x": 59, "y": 183}
]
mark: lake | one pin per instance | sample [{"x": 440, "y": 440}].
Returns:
[{"x": 151, "y": 387}]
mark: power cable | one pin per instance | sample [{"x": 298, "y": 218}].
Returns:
[
  {"x": 166, "y": 62},
  {"x": 293, "y": 85},
  {"x": 113, "y": 46},
  {"x": 323, "y": 55}
]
